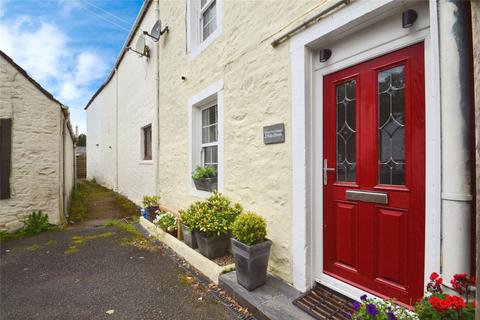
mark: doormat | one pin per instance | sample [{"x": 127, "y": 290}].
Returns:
[{"x": 324, "y": 303}]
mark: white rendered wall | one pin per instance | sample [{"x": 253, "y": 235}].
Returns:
[
  {"x": 130, "y": 99},
  {"x": 36, "y": 173}
]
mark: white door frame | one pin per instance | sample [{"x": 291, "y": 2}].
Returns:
[{"x": 307, "y": 144}]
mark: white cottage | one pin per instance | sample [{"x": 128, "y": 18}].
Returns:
[
  {"x": 370, "y": 186},
  {"x": 36, "y": 149}
]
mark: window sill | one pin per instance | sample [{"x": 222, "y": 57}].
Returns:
[
  {"x": 194, "y": 52},
  {"x": 199, "y": 193},
  {"x": 146, "y": 162}
]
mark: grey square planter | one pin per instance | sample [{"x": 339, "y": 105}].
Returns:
[
  {"x": 206, "y": 184},
  {"x": 251, "y": 263},
  {"x": 212, "y": 246},
  {"x": 189, "y": 237}
]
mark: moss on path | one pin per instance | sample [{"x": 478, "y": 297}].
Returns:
[{"x": 93, "y": 202}]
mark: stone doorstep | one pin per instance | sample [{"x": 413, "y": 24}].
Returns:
[
  {"x": 273, "y": 301},
  {"x": 206, "y": 266}
]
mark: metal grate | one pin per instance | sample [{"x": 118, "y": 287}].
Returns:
[{"x": 323, "y": 303}]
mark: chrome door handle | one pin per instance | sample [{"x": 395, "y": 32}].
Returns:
[{"x": 325, "y": 171}]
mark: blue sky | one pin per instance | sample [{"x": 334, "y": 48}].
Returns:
[{"x": 68, "y": 46}]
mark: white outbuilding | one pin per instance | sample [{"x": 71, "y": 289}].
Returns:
[{"x": 37, "y": 167}]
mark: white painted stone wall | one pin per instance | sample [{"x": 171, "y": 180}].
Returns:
[
  {"x": 36, "y": 178},
  {"x": 256, "y": 93},
  {"x": 130, "y": 96}
]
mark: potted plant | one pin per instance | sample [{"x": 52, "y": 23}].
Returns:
[
  {"x": 167, "y": 222},
  {"x": 439, "y": 305},
  {"x": 189, "y": 220},
  {"x": 215, "y": 218},
  {"x": 251, "y": 250},
  {"x": 150, "y": 203},
  {"x": 205, "y": 178}
]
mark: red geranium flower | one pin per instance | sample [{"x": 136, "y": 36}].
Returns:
[{"x": 434, "y": 276}]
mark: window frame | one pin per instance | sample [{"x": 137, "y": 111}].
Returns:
[
  {"x": 204, "y": 145},
  {"x": 212, "y": 95},
  {"x": 195, "y": 42},
  {"x": 143, "y": 158}
]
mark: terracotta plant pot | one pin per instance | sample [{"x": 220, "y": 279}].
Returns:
[
  {"x": 212, "y": 246},
  {"x": 206, "y": 184},
  {"x": 251, "y": 263}
]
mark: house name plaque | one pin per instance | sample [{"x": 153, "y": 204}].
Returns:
[{"x": 274, "y": 133}]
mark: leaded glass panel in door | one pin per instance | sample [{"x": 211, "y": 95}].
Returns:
[
  {"x": 346, "y": 130},
  {"x": 391, "y": 126}
]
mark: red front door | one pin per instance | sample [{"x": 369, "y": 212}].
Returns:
[{"x": 374, "y": 175}]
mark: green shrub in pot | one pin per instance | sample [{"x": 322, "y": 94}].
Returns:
[
  {"x": 189, "y": 220},
  {"x": 249, "y": 228},
  {"x": 203, "y": 173},
  {"x": 215, "y": 218},
  {"x": 251, "y": 250}
]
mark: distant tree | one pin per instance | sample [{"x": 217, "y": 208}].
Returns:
[{"x": 82, "y": 140}]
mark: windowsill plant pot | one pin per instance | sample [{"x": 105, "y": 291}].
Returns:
[
  {"x": 212, "y": 246},
  {"x": 206, "y": 184},
  {"x": 189, "y": 237},
  {"x": 251, "y": 263}
]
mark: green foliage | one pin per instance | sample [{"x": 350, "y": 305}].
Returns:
[
  {"x": 204, "y": 172},
  {"x": 166, "y": 221},
  {"x": 443, "y": 306},
  {"x": 250, "y": 228},
  {"x": 191, "y": 216},
  {"x": 150, "y": 201},
  {"x": 36, "y": 222},
  {"x": 82, "y": 140},
  {"x": 129, "y": 207},
  {"x": 78, "y": 207},
  {"x": 214, "y": 215}
]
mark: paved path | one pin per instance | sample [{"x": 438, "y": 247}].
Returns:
[{"x": 51, "y": 276}]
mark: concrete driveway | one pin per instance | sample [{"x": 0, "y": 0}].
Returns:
[{"x": 85, "y": 272}]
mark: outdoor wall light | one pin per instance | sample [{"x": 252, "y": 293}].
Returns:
[
  {"x": 408, "y": 18},
  {"x": 324, "y": 54}
]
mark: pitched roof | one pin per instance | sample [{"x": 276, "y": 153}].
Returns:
[
  {"x": 47, "y": 94},
  {"x": 143, "y": 10}
]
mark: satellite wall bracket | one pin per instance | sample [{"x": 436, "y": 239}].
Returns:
[
  {"x": 156, "y": 31},
  {"x": 146, "y": 53}
]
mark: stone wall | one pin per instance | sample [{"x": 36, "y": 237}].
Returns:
[
  {"x": 36, "y": 149},
  {"x": 257, "y": 93},
  {"x": 129, "y": 97}
]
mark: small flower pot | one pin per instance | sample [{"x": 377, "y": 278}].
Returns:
[
  {"x": 206, "y": 184},
  {"x": 212, "y": 246},
  {"x": 251, "y": 263},
  {"x": 189, "y": 237},
  {"x": 151, "y": 212}
]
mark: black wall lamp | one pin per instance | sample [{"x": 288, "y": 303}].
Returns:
[
  {"x": 324, "y": 54},
  {"x": 408, "y": 18}
]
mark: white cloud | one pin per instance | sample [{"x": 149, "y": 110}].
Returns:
[
  {"x": 69, "y": 5},
  {"x": 44, "y": 51},
  {"x": 89, "y": 67}
]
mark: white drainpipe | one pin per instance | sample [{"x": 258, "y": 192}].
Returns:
[
  {"x": 157, "y": 109},
  {"x": 456, "y": 106}
]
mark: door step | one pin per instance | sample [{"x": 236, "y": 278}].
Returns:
[{"x": 324, "y": 303}]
